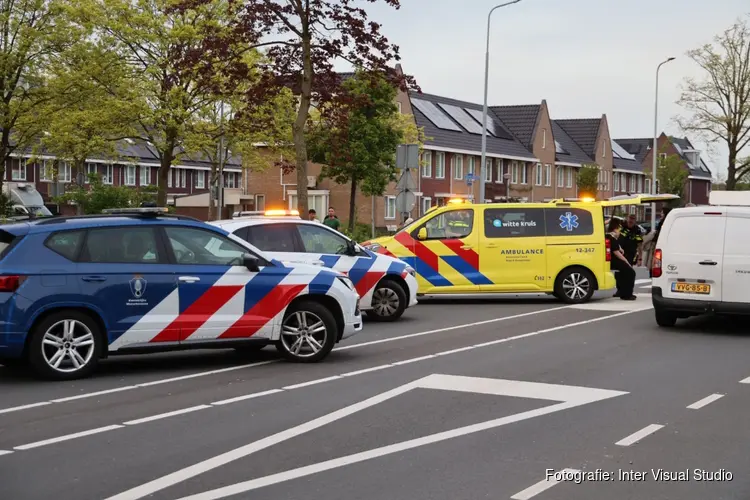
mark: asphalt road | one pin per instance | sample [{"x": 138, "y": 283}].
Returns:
[{"x": 463, "y": 399}]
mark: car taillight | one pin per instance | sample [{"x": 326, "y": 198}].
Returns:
[
  {"x": 608, "y": 248},
  {"x": 656, "y": 264},
  {"x": 10, "y": 283}
]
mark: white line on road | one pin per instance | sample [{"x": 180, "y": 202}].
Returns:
[
  {"x": 343, "y": 375},
  {"x": 261, "y": 363},
  {"x": 68, "y": 437},
  {"x": 541, "y": 486},
  {"x": 5, "y": 452},
  {"x": 637, "y": 436},
  {"x": 705, "y": 401},
  {"x": 167, "y": 415},
  {"x": 745, "y": 380}
]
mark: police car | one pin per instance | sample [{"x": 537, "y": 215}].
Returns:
[
  {"x": 76, "y": 289},
  {"x": 386, "y": 285}
]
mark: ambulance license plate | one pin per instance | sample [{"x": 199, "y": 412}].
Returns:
[{"x": 700, "y": 288}]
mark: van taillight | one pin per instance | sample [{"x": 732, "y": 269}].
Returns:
[
  {"x": 608, "y": 249},
  {"x": 656, "y": 264},
  {"x": 10, "y": 283}
]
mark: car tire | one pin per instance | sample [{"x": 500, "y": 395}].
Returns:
[
  {"x": 312, "y": 325},
  {"x": 389, "y": 301},
  {"x": 665, "y": 319},
  {"x": 66, "y": 345},
  {"x": 575, "y": 285}
]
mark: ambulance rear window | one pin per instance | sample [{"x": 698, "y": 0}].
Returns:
[{"x": 568, "y": 222}]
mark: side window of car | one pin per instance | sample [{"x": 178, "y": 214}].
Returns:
[
  {"x": 449, "y": 225},
  {"x": 273, "y": 237},
  {"x": 513, "y": 222},
  {"x": 568, "y": 222},
  {"x": 317, "y": 239},
  {"x": 122, "y": 245},
  {"x": 197, "y": 246},
  {"x": 65, "y": 243}
]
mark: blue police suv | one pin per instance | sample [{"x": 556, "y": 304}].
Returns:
[{"x": 74, "y": 290}]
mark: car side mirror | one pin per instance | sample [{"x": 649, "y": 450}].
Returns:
[
  {"x": 251, "y": 262},
  {"x": 422, "y": 234},
  {"x": 351, "y": 248}
]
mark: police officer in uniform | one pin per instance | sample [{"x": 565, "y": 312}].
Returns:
[{"x": 631, "y": 239}]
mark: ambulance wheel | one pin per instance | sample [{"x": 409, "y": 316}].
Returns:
[
  {"x": 574, "y": 285},
  {"x": 388, "y": 302},
  {"x": 664, "y": 318},
  {"x": 308, "y": 332}
]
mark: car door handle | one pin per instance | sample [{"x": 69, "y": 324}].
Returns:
[
  {"x": 491, "y": 245},
  {"x": 188, "y": 279},
  {"x": 317, "y": 262},
  {"x": 94, "y": 279},
  {"x": 707, "y": 263}
]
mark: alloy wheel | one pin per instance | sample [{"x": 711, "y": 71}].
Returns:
[
  {"x": 68, "y": 346},
  {"x": 303, "y": 334},
  {"x": 576, "y": 286}
]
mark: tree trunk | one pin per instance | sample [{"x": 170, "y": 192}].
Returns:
[
  {"x": 732, "y": 169},
  {"x": 298, "y": 129},
  {"x": 213, "y": 178},
  {"x": 165, "y": 164},
  {"x": 4, "y": 154},
  {"x": 353, "y": 206},
  {"x": 80, "y": 168}
]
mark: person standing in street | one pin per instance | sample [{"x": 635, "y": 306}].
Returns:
[
  {"x": 631, "y": 239},
  {"x": 312, "y": 215},
  {"x": 625, "y": 274},
  {"x": 331, "y": 220},
  {"x": 649, "y": 242}
]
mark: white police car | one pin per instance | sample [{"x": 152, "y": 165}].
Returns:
[{"x": 386, "y": 285}]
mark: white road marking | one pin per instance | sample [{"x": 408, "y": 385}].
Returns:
[
  {"x": 68, "y": 437},
  {"x": 540, "y": 487},
  {"x": 166, "y": 415},
  {"x": 637, "y": 436},
  {"x": 565, "y": 396},
  {"x": 5, "y": 452},
  {"x": 261, "y": 363},
  {"x": 745, "y": 380},
  {"x": 705, "y": 401},
  {"x": 643, "y": 303},
  {"x": 391, "y": 365}
]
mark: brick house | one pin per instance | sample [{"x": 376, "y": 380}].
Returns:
[
  {"x": 136, "y": 165},
  {"x": 698, "y": 183},
  {"x": 452, "y": 150}
]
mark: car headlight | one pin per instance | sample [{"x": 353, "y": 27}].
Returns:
[
  {"x": 347, "y": 282},
  {"x": 411, "y": 271}
]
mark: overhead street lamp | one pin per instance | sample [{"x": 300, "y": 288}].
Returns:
[
  {"x": 483, "y": 165},
  {"x": 654, "y": 152}
]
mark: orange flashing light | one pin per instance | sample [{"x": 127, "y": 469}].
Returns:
[
  {"x": 588, "y": 199},
  {"x": 278, "y": 213},
  {"x": 457, "y": 201}
]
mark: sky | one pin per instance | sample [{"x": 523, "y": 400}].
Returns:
[{"x": 585, "y": 57}]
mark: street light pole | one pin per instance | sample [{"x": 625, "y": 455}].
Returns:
[
  {"x": 483, "y": 164},
  {"x": 654, "y": 152}
]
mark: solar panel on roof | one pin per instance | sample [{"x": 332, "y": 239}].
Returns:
[
  {"x": 559, "y": 149},
  {"x": 493, "y": 127},
  {"x": 463, "y": 118},
  {"x": 432, "y": 113},
  {"x": 620, "y": 151}
]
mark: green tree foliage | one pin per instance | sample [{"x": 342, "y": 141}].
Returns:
[
  {"x": 719, "y": 104},
  {"x": 588, "y": 180},
  {"x": 102, "y": 196},
  {"x": 671, "y": 175},
  {"x": 356, "y": 142}
]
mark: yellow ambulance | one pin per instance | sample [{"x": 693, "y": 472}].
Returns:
[{"x": 556, "y": 247}]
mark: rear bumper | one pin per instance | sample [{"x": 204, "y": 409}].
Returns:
[{"x": 696, "y": 307}]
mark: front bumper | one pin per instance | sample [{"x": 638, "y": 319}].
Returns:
[
  {"x": 413, "y": 286},
  {"x": 353, "y": 323}
]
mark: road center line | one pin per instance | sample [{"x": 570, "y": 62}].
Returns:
[
  {"x": 705, "y": 401},
  {"x": 261, "y": 363},
  {"x": 5, "y": 452},
  {"x": 167, "y": 415},
  {"x": 68, "y": 437},
  {"x": 541, "y": 486},
  {"x": 637, "y": 436}
]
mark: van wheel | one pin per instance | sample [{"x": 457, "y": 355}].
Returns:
[
  {"x": 308, "y": 332},
  {"x": 665, "y": 319},
  {"x": 65, "y": 346},
  {"x": 574, "y": 286},
  {"x": 388, "y": 302}
]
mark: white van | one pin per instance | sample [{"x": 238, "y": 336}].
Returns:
[{"x": 702, "y": 260}]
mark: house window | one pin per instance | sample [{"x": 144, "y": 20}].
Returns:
[
  {"x": 633, "y": 184},
  {"x": 544, "y": 138},
  {"x": 260, "y": 202},
  {"x": 514, "y": 173},
  {"x": 488, "y": 170},
  {"x": 130, "y": 175},
  {"x": 398, "y": 106},
  {"x": 427, "y": 164},
  {"x": 390, "y": 207},
  {"x": 18, "y": 173},
  {"x": 499, "y": 176},
  {"x": 145, "y": 176},
  {"x": 604, "y": 148},
  {"x": 524, "y": 171},
  {"x": 570, "y": 177},
  {"x": 538, "y": 174},
  {"x": 46, "y": 171},
  {"x": 458, "y": 167},
  {"x": 548, "y": 175},
  {"x": 231, "y": 179},
  {"x": 91, "y": 169},
  {"x": 640, "y": 184},
  {"x": 662, "y": 159},
  {"x": 647, "y": 186},
  {"x": 200, "y": 179},
  {"x": 440, "y": 166},
  {"x": 632, "y": 209},
  {"x": 169, "y": 178},
  {"x": 617, "y": 182},
  {"x": 64, "y": 172},
  {"x": 109, "y": 174},
  {"x": 560, "y": 176},
  {"x": 470, "y": 167},
  {"x": 426, "y": 204}
]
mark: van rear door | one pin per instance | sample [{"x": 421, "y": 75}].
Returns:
[
  {"x": 735, "y": 279},
  {"x": 692, "y": 245}
]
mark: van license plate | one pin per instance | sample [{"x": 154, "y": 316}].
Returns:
[{"x": 691, "y": 288}]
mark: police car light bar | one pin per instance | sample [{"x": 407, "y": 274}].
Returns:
[{"x": 136, "y": 210}]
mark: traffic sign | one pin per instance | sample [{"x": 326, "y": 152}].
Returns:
[
  {"x": 406, "y": 182},
  {"x": 405, "y": 202},
  {"x": 407, "y": 156}
]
